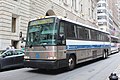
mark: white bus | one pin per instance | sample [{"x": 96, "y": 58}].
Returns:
[
  {"x": 115, "y": 44},
  {"x": 55, "y": 42}
]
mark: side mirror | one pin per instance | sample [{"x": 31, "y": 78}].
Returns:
[
  {"x": 60, "y": 40},
  {"x": 61, "y": 37}
]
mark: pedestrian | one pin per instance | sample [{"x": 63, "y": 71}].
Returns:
[
  {"x": 22, "y": 48},
  {"x": 9, "y": 47},
  {"x": 13, "y": 48}
]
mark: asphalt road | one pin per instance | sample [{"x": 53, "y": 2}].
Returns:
[{"x": 93, "y": 70}]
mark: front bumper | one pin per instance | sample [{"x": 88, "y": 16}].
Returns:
[{"x": 45, "y": 64}]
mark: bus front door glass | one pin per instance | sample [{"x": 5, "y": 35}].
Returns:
[{"x": 61, "y": 36}]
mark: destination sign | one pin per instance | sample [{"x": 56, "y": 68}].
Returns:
[{"x": 42, "y": 21}]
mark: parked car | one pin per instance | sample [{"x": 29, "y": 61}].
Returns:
[{"x": 11, "y": 58}]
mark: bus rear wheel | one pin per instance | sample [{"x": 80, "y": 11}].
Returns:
[
  {"x": 71, "y": 63},
  {"x": 0, "y": 67},
  {"x": 105, "y": 55}
]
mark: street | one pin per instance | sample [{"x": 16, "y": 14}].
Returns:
[{"x": 93, "y": 70}]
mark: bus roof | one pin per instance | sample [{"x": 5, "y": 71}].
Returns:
[{"x": 66, "y": 19}]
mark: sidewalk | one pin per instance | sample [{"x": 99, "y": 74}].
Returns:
[{"x": 117, "y": 71}]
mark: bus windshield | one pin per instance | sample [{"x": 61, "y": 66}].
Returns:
[{"x": 42, "y": 32}]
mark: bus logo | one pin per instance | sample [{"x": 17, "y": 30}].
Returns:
[{"x": 37, "y": 55}]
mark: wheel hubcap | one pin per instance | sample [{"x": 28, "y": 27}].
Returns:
[
  {"x": 104, "y": 55},
  {"x": 71, "y": 63}
]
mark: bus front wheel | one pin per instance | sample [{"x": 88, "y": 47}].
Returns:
[{"x": 71, "y": 63}]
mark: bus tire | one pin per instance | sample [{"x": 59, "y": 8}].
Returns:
[
  {"x": 71, "y": 62},
  {"x": 0, "y": 67},
  {"x": 104, "y": 55}
]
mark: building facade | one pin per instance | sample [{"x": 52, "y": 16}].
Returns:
[
  {"x": 115, "y": 12},
  {"x": 107, "y": 15},
  {"x": 15, "y": 15}
]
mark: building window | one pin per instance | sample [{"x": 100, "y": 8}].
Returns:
[
  {"x": 99, "y": 5},
  {"x": 104, "y": 5},
  {"x": 103, "y": 0},
  {"x": 102, "y": 23},
  {"x": 15, "y": 0},
  {"x": 89, "y": 11},
  {"x": 101, "y": 11},
  {"x": 110, "y": 21},
  {"x": 65, "y": 2},
  {"x": 92, "y": 13},
  {"x": 81, "y": 9},
  {"x": 13, "y": 25},
  {"x": 101, "y": 28},
  {"x": 74, "y": 4},
  {"x": 102, "y": 17}
]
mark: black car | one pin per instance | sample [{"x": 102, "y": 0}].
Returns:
[{"x": 11, "y": 58}]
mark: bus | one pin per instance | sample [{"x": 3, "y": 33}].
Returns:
[
  {"x": 115, "y": 44},
  {"x": 55, "y": 42}
]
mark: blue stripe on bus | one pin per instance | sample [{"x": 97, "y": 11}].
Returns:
[
  {"x": 113, "y": 46},
  {"x": 86, "y": 46}
]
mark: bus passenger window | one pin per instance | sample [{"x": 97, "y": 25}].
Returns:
[{"x": 70, "y": 30}]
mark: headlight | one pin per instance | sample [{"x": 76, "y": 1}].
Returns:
[
  {"x": 26, "y": 57},
  {"x": 52, "y": 58}
]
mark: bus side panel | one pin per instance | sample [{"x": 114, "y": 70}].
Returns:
[
  {"x": 87, "y": 50},
  {"x": 61, "y": 52}
]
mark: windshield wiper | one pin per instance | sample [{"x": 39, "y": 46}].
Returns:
[{"x": 43, "y": 46}]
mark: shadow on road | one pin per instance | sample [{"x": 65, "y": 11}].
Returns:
[
  {"x": 10, "y": 69},
  {"x": 48, "y": 72}
]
